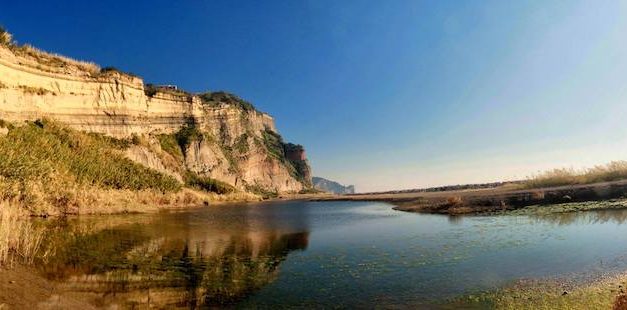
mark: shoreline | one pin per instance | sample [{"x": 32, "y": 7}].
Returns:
[
  {"x": 603, "y": 291},
  {"x": 493, "y": 200}
]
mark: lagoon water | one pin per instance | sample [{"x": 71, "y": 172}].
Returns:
[{"x": 319, "y": 254}]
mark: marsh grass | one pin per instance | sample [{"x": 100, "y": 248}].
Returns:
[
  {"x": 613, "y": 171},
  {"x": 20, "y": 240}
]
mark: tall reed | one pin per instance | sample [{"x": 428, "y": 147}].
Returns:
[
  {"x": 20, "y": 240},
  {"x": 613, "y": 171}
]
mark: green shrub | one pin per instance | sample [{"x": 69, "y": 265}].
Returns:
[
  {"x": 188, "y": 134},
  {"x": 170, "y": 145},
  {"x": 150, "y": 90},
  {"x": 241, "y": 143},
  {"x": 220, "y": 97},
  {"x": 208, "y": 184}
]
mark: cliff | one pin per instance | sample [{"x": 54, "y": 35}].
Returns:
[
  {"x": 212, "y": 135},
  {"x": 332, "y": 186}
]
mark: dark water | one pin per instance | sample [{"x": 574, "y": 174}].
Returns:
[{"x": 319, "y": 254}]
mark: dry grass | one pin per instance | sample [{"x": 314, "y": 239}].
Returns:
[
  {"x": 616, "y": 170},
  {"x": 20, "y": 241},
  {"x": 5, "y": 37},
  {"x": 55, "y": 60}
]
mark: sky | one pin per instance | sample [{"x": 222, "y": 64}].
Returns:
[{"x": 383, "y": 94}]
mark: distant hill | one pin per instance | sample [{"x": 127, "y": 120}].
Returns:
[{"x": 332, "y": 186}]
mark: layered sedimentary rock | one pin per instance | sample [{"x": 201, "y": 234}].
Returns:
[{"x": 237, "y": 144}]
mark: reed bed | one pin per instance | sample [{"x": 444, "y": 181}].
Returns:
[
  {"x": 20, "y": 241},
  {"x": 613, "y": 171}
]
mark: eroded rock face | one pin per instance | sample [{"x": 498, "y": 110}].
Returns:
[{"x": 233, "y": 146}]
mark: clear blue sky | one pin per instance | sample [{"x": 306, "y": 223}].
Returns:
[{"x": 383, "y": 94}]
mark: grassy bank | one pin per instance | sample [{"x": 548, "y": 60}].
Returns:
[{"x": 49, "y": 169}]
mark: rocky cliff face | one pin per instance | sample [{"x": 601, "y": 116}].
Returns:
[
  {"x": 219, "y": 135},
  {"x": 332, "y": 186}
]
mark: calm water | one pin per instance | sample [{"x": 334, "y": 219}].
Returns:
[{"x": 324, "y": 254}]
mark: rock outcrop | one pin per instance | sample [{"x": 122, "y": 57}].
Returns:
[
  {"x": 220, "y": 135},
  {"x": 332, "y": 186}
]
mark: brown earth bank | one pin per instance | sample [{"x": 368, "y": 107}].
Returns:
[
  {"x": 22, "y": 288},
  {"x": 487, "y": 200}
]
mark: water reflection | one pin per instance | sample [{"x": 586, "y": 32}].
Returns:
[
  {"x": 361, "y": 254},
  {"x": 197, "y": 259}
]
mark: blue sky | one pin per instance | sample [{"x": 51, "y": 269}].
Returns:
[{"x": 383, "y": 94}]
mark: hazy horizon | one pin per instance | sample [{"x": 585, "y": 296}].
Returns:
[{"x": 382, "y": 95}]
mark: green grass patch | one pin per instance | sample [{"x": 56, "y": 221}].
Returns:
[{"x": 39, "y": 150}]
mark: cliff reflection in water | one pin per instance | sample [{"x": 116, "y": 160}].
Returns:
[{"x": 175, "y": 260}]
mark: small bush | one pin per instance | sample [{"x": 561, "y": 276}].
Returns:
[
  {"x": 170, "y": 145},
  {"x": 150, "y": 90},
  {"x": 6, "y": 38},
  {"x": 188, "y": 134},
  {"x": 110, "y": 69}
]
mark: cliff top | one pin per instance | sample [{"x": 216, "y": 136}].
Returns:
[{"x": 34, "y": 58}]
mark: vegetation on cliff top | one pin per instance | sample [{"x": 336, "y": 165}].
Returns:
[
  {"x": 221, "y": 97},
  {"x": 53, "y": 60}
]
